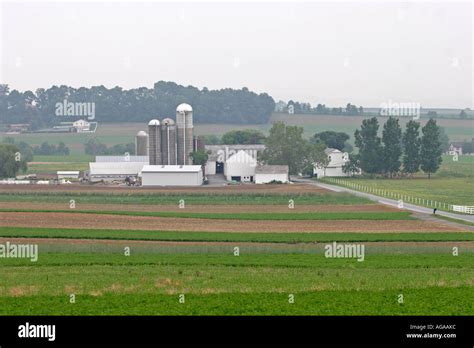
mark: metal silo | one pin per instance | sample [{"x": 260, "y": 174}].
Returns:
[
  {"x": 168, "y": 142},
  {"x": 184, "y": 123},
  {"x": 141, "y": 144},
  {"x": 154, "y": 141}
]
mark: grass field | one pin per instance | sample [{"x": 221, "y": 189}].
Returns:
[
  {"x": 122, "y": 133},
  {"x": 452, "y": 184},
  {"x": 250, "y": 284},
  {"x": 88, "y": 259},
  {"x": 173, "y": 198}
]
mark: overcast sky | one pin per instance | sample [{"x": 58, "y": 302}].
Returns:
[{"x": 319, "y": 52}]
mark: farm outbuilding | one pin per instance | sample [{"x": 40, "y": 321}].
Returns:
[
  {"x": 271, "y": 173},
  {"x": 240, "y": 167},
  {"x": 111, "y": 171},
  {"x": 68, "y": 174},
  {"x": 176, "y": 175}
]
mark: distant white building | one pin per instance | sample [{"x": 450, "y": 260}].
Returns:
[
  {"x": 337, "y": 159},
  {"x": 265, "y": 174},
  {"x": 171, "y": 175},
  {"x": 219, "y": 154},
  {"x": 68, "y": 174},
  {"x": 453, "y": 150},
  {"x": 240, "y": 167},
  {"x": 112, "y": 171}
]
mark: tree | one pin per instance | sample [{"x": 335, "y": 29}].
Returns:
[
  {"x": 286, "y": 146},
  {"x": 392, "y": 146},
  {"x": 411, "y": 148},
  {"x": 370, "y": 150},
  {"x": 246, "y": 136},
  {"x": 200, "y": 158},
  {"x": 352, "y": 167},
  {"x": 10, "y": 161},
  {"x": 430, "y": 148},
  {"x": 336, "y": 140}
]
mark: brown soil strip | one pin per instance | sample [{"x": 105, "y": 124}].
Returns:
[
  {"x": 98, "y": 221},
  {"x": 202, "y": 208}
]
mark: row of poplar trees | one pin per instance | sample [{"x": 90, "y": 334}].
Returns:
[{"x": 396, "y": 152}]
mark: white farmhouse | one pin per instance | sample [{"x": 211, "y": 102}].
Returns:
[{"x": 337, "y": 159}]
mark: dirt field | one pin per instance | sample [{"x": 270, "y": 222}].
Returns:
[
  {"x": 98, "y": 221},
  {"x": 203, "y": 208}
]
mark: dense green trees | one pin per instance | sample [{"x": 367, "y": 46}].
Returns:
[
  {"x": 11, "y": 161},
  {"x": 373, "y": 158},
  {"x": 369, "y": 144},
  {"x": 411, "y": 147},
  {"x": 285, "y": 145},
  {"x": 430, "y": 148},
  {"x": 335, "y": 140},
  {"x": 137, "y": 105},
  {"x": 94, "y": 147},
  {"x": 392, "y": 146},
  {"x": 246, "y": 136}
]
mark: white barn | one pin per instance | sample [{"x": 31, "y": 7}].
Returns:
[
  {"x": 171, "y": 175},
  {"x": 267, "y": 173},
  {"x": 240, "y": 167},
  {"x": 337, "y": 159},
  {"x": 111, "y": 171}
]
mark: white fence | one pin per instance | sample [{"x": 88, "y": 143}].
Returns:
[{"x": 398, "y": 196}]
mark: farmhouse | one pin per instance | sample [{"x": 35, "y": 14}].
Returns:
[
  {"x": 265, "y": 174},
  {"x": 337, "y": 159},
  {"x": 171, "y": 175}
]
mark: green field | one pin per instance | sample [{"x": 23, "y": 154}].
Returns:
[
  {"x": 239, "y": 216},
  {"x": 452, "y": 184},
  {"x": 180, "y": 236},
  {"x": 137, "y": 197},
  {"x": 122, "y": 133},
  {"x": 223, "y": 284}
]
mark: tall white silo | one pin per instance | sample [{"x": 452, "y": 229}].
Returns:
[
  {"x": 154, "y": 141},
  {"x": 168, "y": 142},
  {"x": 184, "y": 123},
  {"x": 141, "y": 144}
]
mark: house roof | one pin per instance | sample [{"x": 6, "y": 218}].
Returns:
[
  {"x": 330, "y": 150},
  {"x": 170, "y": 169},
  {"x": 115, "y": 168},
  {"x": 144, "y": 159},
  {"x": 272, "y": 169}
]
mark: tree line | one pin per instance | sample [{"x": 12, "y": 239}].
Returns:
[
  {"x": 396, "y": 152},
  {"x": 236, "y": 106}
]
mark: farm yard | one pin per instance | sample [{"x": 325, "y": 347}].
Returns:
[{"x": 229, "y": 251}]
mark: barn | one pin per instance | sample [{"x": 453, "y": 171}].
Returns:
[
  {"x": 172, "y": 175},
  {"x": 240, "y": 167},
  {"x": 271, "y": 173}
]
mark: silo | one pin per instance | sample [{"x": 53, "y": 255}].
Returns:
[
  {"x": 168, "y": 142},
  {"x": 154, "y": 142},
  {"x": 184, "y": 122},
  {"x": 141, "y": 144}
]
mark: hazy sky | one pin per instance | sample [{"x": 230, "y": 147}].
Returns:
[{"x": 320, "y": 52}]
